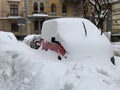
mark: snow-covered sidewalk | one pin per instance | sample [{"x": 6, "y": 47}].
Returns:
[{"x": 116, "y": 48}]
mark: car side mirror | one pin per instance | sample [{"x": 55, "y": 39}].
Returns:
[{"x": 53, "y": 39}]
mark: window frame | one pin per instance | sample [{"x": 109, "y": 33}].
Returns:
[
  {"x": 14, "y": 10},
  {"x": 14, "y": 27}
]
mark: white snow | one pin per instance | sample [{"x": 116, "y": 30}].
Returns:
[
  {"x": 28, "y": 39},
  {"x": 23, "y": 68},
  {"x": 14, "y": 17},
  {"x": 7, "y": 36},
  {"x": 43, "y": 15},
  {"x": 70, "y": 32},
  {"x": 116, "y": 48}
]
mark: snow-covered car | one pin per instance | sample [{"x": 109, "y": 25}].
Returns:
[
  {"x": 77, "y": 37},
  {"x": 35, "y": 42},
  {"x": 31, "y": 39},
  {"x": 7, "y": 36},
  {"x": 28, "y": 39}
]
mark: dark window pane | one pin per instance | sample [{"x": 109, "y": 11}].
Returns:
[
  {"x": 14, "y": 27},
  {"x": 13, "y": 9},
  {"x": 64, "y": 9}
]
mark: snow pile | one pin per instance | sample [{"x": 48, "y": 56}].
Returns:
[
  {"x": 7, "y": 36},
  {"x": 23, "y": 68},
  {"x": 116, "y": 48},
  {"x": 108, "y": 35}
]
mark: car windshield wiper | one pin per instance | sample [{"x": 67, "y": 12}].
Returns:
[{"x": 84, "y": 29}]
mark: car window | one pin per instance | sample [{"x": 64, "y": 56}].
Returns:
[{"x": 36, "y": 38}]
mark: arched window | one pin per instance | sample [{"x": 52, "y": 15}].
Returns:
[
  {"x": 35, "y": 7},
  {"x": 41, "y": 7},
  {"x": 64, "y": 9},
  {"x": 53, "y": 8}
]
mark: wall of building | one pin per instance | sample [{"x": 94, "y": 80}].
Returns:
[
  {"x": 58, "y": 3},
  {"x": 116, "y": 18},
  {"x": 6, "y": 19}
]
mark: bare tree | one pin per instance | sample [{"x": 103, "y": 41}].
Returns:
[{"x": 101, "y": 9}]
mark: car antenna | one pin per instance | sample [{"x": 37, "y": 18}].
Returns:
[{"x": 84, "y": 29}]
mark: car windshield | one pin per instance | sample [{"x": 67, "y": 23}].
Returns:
[{"x": 36, "y": 38}]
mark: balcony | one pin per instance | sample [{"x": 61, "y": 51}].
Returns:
[
  {"x": 38, "y": 12},
  {"x": 53, "y": 13},
  {"x": 13, "y": 0},
  {"x": 70, "y": 1}
]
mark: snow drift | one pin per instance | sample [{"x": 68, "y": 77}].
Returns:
[
  {"x": 23, "y": 68},
  {"x": 7, "y": 36}
]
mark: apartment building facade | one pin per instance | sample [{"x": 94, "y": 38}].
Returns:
[
  {"x": 116, "y": 19},
  {"x": 40, "y": 10},
  {"x": 32, "y": 14},
  {"x": 10, "y": 13}
]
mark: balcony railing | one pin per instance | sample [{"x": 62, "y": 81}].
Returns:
[
  {"x": 13, "y": 0},
  {"x": 53, "y": 13},
  {"x": 71, "y": 1},
  {"x": 38, "y": 12}
]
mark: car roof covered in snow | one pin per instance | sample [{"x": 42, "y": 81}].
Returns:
[
  {"x": 66, "y": 27},
  {"x": 7, "y": 36}
]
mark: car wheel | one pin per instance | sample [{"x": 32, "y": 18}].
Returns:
[
  {"x": 36, "y": 47},
  {"x": 59, "y": 57}
]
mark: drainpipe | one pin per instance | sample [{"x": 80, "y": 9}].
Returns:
[{"x": 27, "y": 19}]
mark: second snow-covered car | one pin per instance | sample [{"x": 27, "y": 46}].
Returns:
[{"x": 35, "y": 42}]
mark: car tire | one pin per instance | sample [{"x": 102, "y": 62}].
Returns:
[
  {"x": 33, "y": 45},
  {"x": 59, "y": 57},
  {"x": 36, "y": 47}
]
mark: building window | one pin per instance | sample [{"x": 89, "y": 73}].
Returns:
[
  {"x": 14, "y": 10},
  {"x": 64, "y": 9},
  {"x": 36, "y": 27},
  {"x": 41, "y": 7},
  {"x": 35, "y": 7},
  {"x": 53, "y": 9},
  {"x": 75, "y": 9},
  {"x": 14, "y": 27}
]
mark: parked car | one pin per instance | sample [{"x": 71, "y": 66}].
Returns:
[
  {"x": 7, "y": 36},
  {"x": 74, "y": 38},
  {"x": 35, "y": 42}
]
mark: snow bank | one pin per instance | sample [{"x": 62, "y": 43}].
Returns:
[
  {"x": 116, "y": 48},
  {"x": 22, "y": 68}
]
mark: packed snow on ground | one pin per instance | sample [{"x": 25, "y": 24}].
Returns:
[
  {"x": 23, "y": 68},
  {"x": 116, "y": 48}
]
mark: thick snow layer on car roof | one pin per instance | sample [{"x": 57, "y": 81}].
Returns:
[
  {"x": 68, "y": 28},
  {"x": 7, "y": 36},
  {"x": 79, "y": 36}
]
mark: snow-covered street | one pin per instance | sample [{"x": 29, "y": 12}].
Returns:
[{"x": 23, "y": 68}]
